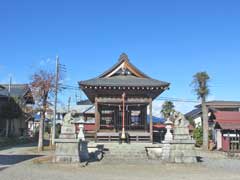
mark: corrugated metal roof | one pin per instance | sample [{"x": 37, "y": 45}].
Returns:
[
  {"x": 81, "y": 108},
  {"x": 227, "y": 120},
  {"x": 227, "y": 116},
  {"x": 90, "y": 110}
]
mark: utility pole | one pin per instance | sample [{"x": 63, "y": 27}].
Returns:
[
  {"x": 9, "y": 96},
  {"x": 69, "y": 102},
  {"x": 9, "y": 87},
  {"x": 55, "y": 101}
]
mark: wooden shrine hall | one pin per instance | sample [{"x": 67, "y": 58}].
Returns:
[{"x": 122, "y": 96}]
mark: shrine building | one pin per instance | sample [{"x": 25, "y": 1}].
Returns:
[{"x": 122, "y": 96}]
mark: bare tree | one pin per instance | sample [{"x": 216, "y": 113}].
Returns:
[{"x": 42, "y": 84}]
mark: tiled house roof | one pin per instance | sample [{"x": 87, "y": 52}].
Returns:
[{"x": 17, "y": 90}]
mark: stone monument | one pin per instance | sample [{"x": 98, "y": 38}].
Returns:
[
  {"x": 181, "y": 149},
  {"x": 67, "y": 146}
]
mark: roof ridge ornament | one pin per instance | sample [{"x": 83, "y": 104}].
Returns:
[
  {"x": 123, "y": 70},
  {"x": 123, "y": 57}
]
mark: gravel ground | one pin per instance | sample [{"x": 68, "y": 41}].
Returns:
[{"x": 212, "y": 168}]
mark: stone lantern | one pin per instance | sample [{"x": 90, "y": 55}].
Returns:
[
  {"x": 168, "y": 136},
  {"x": 81, "y": 135}
]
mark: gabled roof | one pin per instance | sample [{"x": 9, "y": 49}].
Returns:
[
  {"x": 123, "y": 73},
  {"x": 123, "y": 62},
  {"x": 123, "y": 76},
  {"x": 17, "y": 90},
  {"x": 194, "y": 113}
]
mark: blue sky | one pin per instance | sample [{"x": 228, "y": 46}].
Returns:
[{"x": 168, "y": 40}]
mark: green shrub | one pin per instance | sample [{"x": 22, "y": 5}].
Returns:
[{"x": 198, "y": 136}]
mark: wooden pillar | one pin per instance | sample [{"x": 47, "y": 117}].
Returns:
[
  {"x": 141, "y": 118},
  {"x": 150, "y": 121},
  {"x": 145, "y": 118},
  {"x": 115, "y": 119},
  {"x": 97, "y": 116}
]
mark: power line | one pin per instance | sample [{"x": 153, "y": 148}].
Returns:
[
  {"x": 70, "y": 87},
  {"x": 177, "y": 99}
]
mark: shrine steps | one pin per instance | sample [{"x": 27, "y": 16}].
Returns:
[{"x": 115, "y": 152}]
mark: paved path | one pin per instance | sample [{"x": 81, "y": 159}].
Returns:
[{"x": 23, "y": 168}]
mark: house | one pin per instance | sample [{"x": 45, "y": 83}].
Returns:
[
  {"x": 213, "y": 106},
  {"x": 224, "y": 123},
  {"x": 227, "y": 127},
  {"x": 34, "y": 123},
  {"x": 16, "y": 102},
  {"x": 223, "y": 105}
]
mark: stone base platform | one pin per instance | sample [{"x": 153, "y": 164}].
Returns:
[
  {"x": 183, "y": 151},
  {"x": 67, "y": 151}
]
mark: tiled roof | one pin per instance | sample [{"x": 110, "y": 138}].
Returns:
[
  {"x": 134, "y": 77},
  {"x": 194, "y": 113},
  {"x": 84, "y": 102},
  {"x": 16, "y": 90},
  {"x": 198, "y": 112},
  {"x": 121, "y": 76},
  {"x": 124, "y": 80}
]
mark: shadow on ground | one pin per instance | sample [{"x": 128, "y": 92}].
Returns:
[
  {"x": 199, "y": 159},
  {"x": 14, "y": 159},
  {"x": 18, "y": 146}
]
